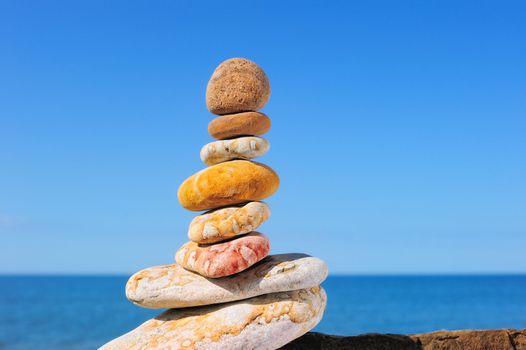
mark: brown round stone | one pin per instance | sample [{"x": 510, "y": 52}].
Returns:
[
  {"x": 239, "y": 124},
  {"x": 237, "y": 85}
]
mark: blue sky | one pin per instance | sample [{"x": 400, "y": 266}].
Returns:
[{"x": 398, "y": 130}]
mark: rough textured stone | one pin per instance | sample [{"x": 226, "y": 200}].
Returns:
[
  {"x": 495, "y": 340},
  {"x": 239, "y": 124},
  {"x": 319, "y": 341},
  {"x": 247, "y": 147},
  {"x": 264, "y": 322},
  {"x": 225, "y": 223},
  {"x": 224, "y": 258},
  {"x": 237, "y": 85},
  {"x": 171, "y": 286},
  {"x": 228, "y": 183},
  {"x": 499, "y": 339}
]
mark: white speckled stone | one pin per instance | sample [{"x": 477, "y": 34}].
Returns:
[
  {"x": 241, "y": 148},
  {"x": 171, "y": 286},
  {"x": 225, "y": 223},
  {"x": 261, "y": 323}
]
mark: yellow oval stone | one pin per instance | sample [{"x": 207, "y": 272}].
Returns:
[{"x": 228, "y": 183}]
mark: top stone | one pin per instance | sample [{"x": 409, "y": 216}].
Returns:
[{"x": 237, "y": 85}]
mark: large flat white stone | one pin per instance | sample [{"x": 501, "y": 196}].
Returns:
[
  {"x": 171, "y": 286},
  {"x": 264, "y": 322}
]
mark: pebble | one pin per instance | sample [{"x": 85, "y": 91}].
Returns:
[
  {"x": 239, "y": 124},
  {"x": 224, "y": 258},
  {"x": 241, "y": 148},
  {"x": 237, "y": 85},
  {"x": 221, "y": 224},
  {"x": 226, "y": 184}
]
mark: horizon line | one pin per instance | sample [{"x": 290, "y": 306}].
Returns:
[{"x": 337, "y": 274}]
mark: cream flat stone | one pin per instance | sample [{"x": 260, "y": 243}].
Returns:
[
  {"x": 222, "y": 224},
  {"x": 261, "y": 323},
  {"x": 171, "y": 286},
  {"x": 247, "y": 147}
]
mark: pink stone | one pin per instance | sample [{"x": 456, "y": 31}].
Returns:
[{"x": 225, "y": 258}]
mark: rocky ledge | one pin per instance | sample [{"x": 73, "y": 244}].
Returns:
[{"x": 499, "y": 339}]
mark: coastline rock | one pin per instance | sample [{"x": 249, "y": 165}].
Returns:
[
  {"x": 239, "y": 124},
  {"x": 247, "y": 147},
  {"x": 171, "y": 286},
  {"x": 265, "y": 322},
  {"x": 319, "y": 341},
  {"x": 228, "y": 183},
  {"x": 225, "y": 223},
  {"x": 224, "y": 258},
  {"x": 495, "y": 339},
  {"x": 237, "y": 85}
]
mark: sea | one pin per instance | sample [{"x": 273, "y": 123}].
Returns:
[{"x": 84, "y": 312}]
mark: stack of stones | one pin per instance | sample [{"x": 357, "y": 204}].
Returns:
[{"x": 225, "y": 291}]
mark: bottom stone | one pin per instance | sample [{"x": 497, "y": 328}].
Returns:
[{"x": 264, "y": 322}]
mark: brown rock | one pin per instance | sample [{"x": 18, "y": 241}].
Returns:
[
  {"x": 239, "y": 124},
  {"x": 223, "y": 259},
  {"x": 228, "y": 183},
  {"x": 499, "y": 339},
  {"x": 445, "y": 340},
  {"x": 319, "y": 341},
  {"x": 237, "y": 85}
]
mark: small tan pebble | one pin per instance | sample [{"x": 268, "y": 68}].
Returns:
[
  {"x": 224, "y": 258},
  {"x": 225, "y": 223},
  {"x": 239, "y": 124},
  {"x": 226, "y": 184},
  {"x": 237, "y": 85},
  {"x": 241, "y": 148}
]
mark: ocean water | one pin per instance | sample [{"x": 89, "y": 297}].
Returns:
[{"x": 83, "y": 312}]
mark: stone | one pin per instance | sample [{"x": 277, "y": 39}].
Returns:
[
  {"x": 247, "y": 147},
  {"x": 237, "y": 85},
  {"x": 318, "y": 341},
  {"x": 497, "y": 339},
  {"x": 265, "y": 322},
  {"x": 224, "y": 258},
  {"x": 226, "y": 184},
  {"x": 222, "y": 224},
  {"x": 470, "y": 339},
  {"x": 171, "y": 286},
  {"x": 239, "y": 124}
]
